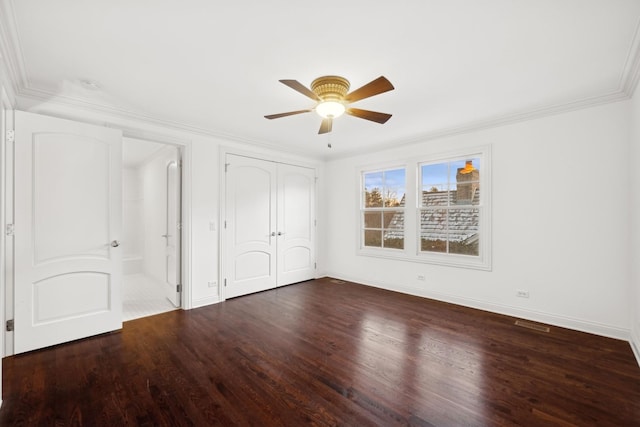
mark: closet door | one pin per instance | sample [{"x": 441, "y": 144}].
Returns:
[
  {"x": 296, "y": 224},
  {"x": 270, "y": 225},
  {"x": 250, "y": 226}
]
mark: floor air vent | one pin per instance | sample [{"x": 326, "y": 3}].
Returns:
[
  {"x": 534, "y": 326},
  {"x": 337, "y": 282}
]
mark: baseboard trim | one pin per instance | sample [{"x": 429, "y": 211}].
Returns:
[
  {"x": 635, "y": 343},
  {"x": 537, "y": 316},
  {"x": 202, "y": 302}
]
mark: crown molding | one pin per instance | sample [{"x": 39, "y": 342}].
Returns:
[
  {"x": 494, "y": 122},
  {"x": 131, "y": 115},
  {"x": 488, "y": 123}
]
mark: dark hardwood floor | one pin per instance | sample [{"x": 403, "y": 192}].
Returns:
[{"x": 326, "y": 353}]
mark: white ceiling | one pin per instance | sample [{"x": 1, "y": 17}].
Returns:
[{"x": 214, "y": 66}]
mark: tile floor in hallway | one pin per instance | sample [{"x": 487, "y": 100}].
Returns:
[{"x": 143, "y": 296}]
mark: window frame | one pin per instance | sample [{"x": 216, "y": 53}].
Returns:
[
  {"x": 412, "y": 210},
  {"x": 363, "y": 209}
]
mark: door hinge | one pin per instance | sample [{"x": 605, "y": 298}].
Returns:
[
  {"x": 178, "y": 288},
  {"x": 10, "y": 230},
  {"x": 315, "y": 265},
  {"x": 226, "y": 167},
  {"x": 10, "y": 325},
  {"x": 225, "y": 282},
  {"x": 225, "y": 223},
  {"x": 10, "y": 136}
]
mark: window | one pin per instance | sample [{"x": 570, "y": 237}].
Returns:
[
  {"x": 436, "y": 210},
  {"x": 382, "y": 209},
  {"x": 449, "y": 206}
]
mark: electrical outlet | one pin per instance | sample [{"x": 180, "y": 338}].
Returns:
[
  {"x": 420, "y": 277},
  {"x": 522, "y": 294},
  {"x": 212, "y": 284}
]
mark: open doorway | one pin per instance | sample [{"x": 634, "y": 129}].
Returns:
[{"x": 151, "y": 240}]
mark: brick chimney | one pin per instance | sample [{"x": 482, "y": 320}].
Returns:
[{"x": 468, "y": 181}]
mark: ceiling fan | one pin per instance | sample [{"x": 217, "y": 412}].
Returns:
[{"x": 330, "y": 93}]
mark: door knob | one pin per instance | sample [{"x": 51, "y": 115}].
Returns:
[{"x": 115, "y": 243}]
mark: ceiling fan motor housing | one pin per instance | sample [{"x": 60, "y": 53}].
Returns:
[{"x": 330, "y": 88}]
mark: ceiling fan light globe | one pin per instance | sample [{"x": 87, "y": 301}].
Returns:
[{"x": 330, "y": 109}]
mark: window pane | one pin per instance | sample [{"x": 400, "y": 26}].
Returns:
[
  {"x": 436, "y": 198},
  {"x": 427, "y": 245},
  {"x": 394, "y": 229},
  {"x": 434, "y": 175},
  {"x": 433, "y": 230},
  {"x": 393, "y": 242},
  {"x": 394, "y": 187},
  {"x": 465, "y": 179},
  {"x": 394, "y": 224},
  {"x": 373, "y": 190},
  {"x": 373, "y": 219},
  {"x": 394, "y": 219},
  {"x": 464, "y": 227},
  {"x": 434, "y": 188},
  {"x": 464, "y": 166},
  {"x": 373, "y": 238}
]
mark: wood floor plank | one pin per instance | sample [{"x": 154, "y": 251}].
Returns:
[{"x": 325, "y": 353}]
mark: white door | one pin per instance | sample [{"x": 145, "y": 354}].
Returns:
[
  {"x": 173, "y": 232},
  {"x": 251, "y": 225},
  {"x": 296, "y": 224},
  {"x": 270, "y": 225},
  {"x": 68, "y": 219}
]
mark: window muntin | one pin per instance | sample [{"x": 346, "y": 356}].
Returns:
[
  {"x": 449, "y": 206},
  {"x": 382, "y": 212}
]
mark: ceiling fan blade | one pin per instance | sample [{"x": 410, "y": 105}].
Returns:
[
  {"x": 374, "y": 116},
  {"x": 326, "y": 125},
  {"x": 290, "y": 113},
  {"x": 375, "y": 87},
  {"x": 296, "y": 85}
]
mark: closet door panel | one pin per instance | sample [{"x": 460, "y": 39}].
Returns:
[
  {"x": 296, "y": 224},
  {"x": 251, "y": 221}
]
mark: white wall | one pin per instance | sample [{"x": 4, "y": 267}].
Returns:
[
  {"x": 560, "y": 223},
  {"x": 634, "y": 220},
  {"x": 132, "y": 220}
]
